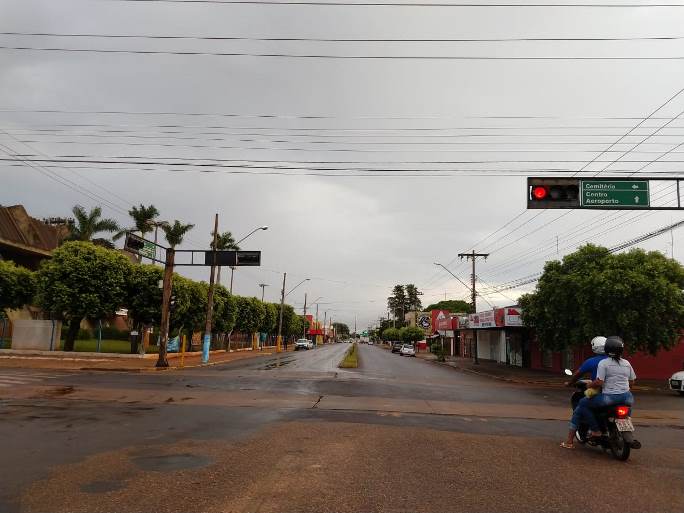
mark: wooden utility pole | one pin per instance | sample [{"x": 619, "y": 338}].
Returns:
[
  {"x": 474, "y": 256},
  {"x": 279, "y": 340},
  {"x": 166, "y": 299},
  {"x": 206, "y": 345}
]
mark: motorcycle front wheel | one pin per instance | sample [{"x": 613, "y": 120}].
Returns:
[{"x": 617, "y": 444}]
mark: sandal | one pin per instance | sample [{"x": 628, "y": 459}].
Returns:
[{"x": 566, "y": 445}]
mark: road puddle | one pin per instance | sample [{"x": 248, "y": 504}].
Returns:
[{"x": 277, "y": 364}]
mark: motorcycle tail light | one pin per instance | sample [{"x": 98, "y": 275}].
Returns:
[{"x": 622, "y": 412}]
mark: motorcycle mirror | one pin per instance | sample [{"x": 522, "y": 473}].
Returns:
[{"x": 568, "y": 372}]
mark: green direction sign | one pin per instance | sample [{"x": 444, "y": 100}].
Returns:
[
  {"x": 147, "y": 250},
  {"x": 614, "y": 193}
]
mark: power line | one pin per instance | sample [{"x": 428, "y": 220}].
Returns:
[
  {"x": 408, "y": 4},
  {"x": 309, "y": 117},
  {"x": 344, "y": 57},
  {"x": 338, "y": 39}
]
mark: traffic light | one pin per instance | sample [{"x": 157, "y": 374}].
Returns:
[
  {"x": 134, "y": 243},
  {"x": 553, "y": 193},
  {"x": 251, "y": 258}
]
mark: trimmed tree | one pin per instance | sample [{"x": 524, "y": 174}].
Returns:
[
  {"x": 391, "y": 335},
  {"x": 269, "y": 322},
  {"x": 636, "y": 295},
  {"x": 80, "y": 281},
  {"x": 17, "y": 286},
  {"x": 250, "y": 314},
  {"x": 412, "y": 334}
]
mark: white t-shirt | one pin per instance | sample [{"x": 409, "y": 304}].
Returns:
[{"x": 615, "y": 375}]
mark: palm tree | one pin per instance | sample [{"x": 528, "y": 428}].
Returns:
[
  {"x": 175, "y": 232},
  {"x": 143, "y": 220},
  {"x": 87, "y": 225},
  {"x": 224, "y": 241}
]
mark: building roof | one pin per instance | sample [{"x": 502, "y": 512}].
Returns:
[{"x": 24, "y": 233}]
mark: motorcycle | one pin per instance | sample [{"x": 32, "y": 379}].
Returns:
[{"x": 615, "y": 422}]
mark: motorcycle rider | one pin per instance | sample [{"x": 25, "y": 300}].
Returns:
[
  {"x": 590, "y": 366},
  {"x": 616, "y": 376}
]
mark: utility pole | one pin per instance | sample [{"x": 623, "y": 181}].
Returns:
[
  {"x": 206, "y": 345},
  {"x": 166, "y": 298},
  {"x": 263, "y": 289},
  {"x": 279, "y": 340},
  {"x": 325, "y": 329},
  {"x": 305, "y": 321},
  {"x": 474, "y": 256},
  {"x": 318, "y": 328}
]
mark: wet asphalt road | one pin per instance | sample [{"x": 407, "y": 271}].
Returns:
[{"x": 292, "y": 432}]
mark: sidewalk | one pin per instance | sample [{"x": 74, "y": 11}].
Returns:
[
  {"x": 519, "y": 375},
  {"x": 119, "y": 362}
]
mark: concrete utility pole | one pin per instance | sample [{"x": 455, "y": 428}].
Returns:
[
  {"x": 325, "y": 329},
  {"x": 279, "y": 340},
  {"x": 474, "y": 256},
  {"x": 166, "y": 298},
  {"x": 206, "y": 345},
  {"x": 263, "y": 289},
  {"x": 305, "y": 321}
]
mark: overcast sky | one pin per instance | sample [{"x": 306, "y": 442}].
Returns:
[{"x": 387, "y": 127}]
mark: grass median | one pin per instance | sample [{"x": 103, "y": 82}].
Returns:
[{"x": 351, "y": 358}]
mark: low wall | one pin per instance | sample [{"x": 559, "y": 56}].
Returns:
[{"x": 36, "y": 335}]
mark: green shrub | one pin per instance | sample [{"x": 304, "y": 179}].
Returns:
[{"x": 351, "y": 358}]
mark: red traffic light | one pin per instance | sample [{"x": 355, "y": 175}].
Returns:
[{"x": 539, "y": 192}]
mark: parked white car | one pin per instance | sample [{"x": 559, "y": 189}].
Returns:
[
  {"x": 407, "y": 350},
  {"x": 303, "y": 343},
  {"x": 677, "y": 382}
]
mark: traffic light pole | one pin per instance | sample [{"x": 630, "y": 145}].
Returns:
[
  {"x": 165, "y": 315},
  {"x": 474, "y": 256}
]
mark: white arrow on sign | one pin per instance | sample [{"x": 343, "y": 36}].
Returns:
[
  {"x": 636, "y": 199},
  {"x": 635, "y": 186}
]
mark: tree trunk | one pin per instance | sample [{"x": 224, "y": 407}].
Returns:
[{"x": 72, "y": 333}]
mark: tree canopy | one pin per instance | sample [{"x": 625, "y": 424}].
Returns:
[
  {"x": 17, "y": 286},
  {"x": 341, "y": 328},
  {"x": 636, "y": 295},
  {"x": 404, "y": 299},
  {"x": 250, "y": 314},
  {"x": 87, "y": 225},
  {"x": 412, "y": 334},
  {"x": 80, "y": 281},
  {"x": 451, "y": 305}
]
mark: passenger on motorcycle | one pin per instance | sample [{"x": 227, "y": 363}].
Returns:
[{"x": 615, "y": 375}]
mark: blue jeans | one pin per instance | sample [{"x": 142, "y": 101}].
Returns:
[{"x": 584, "y": 413}]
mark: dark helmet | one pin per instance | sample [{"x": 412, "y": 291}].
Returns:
[{"x": 614, "y": 346}]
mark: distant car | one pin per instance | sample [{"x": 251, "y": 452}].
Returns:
[
  {"x": 370, "y": 342},
  {"x": 303, "y": 343},
  {"x": 677, "y": 382},
  {"x": 407, "y": 350},
  {"x": 396, "y": 347}
]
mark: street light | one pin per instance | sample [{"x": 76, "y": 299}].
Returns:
[
  {"x": 232, "y": 268},
  {"x": 282, "y": 303}
]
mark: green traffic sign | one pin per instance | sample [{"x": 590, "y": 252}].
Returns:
[
  {"x": 614, "y": 193},
  {"x": 148, "y": 250}
]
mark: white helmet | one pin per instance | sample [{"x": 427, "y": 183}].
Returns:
[{"x": 597, "y": 344}]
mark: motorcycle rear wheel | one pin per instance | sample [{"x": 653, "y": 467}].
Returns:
[{"x": 618, "y": 445}]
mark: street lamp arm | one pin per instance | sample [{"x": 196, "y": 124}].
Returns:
[
  {"x": 298, "y": 284},
  {"x": 252, "y": 233}
]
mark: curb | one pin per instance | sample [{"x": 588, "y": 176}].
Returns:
[{"x": 636, "y": 388}]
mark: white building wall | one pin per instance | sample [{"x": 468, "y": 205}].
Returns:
[{"x": 491, "y": 345}]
